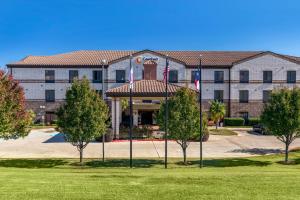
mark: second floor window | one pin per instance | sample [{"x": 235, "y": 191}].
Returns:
[
  {"x": 219, "y": 95},
  {"x": 291, "y": 77},
  {"x": 173, "y": 76},
  {"x": 244, "y": 76},
  {"x": 73, "y": 74},
  {"x": 49, "y": 76},
  {"x": 219, "y": 77},
  {"x": 244, "y": 96},
  {"x": 120, "y": 76},
  {"x": 266, "y": 95},
  {"x": 97, "y": 76},
  {"x": 49, "y": 95},
  {"x": 267, "y": 77}
]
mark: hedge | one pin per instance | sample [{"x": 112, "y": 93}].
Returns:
[
  {"x": 253, "y": 121},
  {"x": 234, "y": 121}
]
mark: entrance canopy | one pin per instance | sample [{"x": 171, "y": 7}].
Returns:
[
  {"x": 144, "y": 88},
  {"x": 146, "y": 94}
]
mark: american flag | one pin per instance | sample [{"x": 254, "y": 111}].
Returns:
[
  {"x": 166, "y": 71},
  {"x": 197, "y": 79},
  {"x": 131, "y": 77}
]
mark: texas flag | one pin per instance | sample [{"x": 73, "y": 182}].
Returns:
[{"x": 197, "y": 79}]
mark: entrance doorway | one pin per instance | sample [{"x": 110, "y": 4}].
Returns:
[
  {"x": 146, "y": 117},
  {"x": 150, "y": 70}
]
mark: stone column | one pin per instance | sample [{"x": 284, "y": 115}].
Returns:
[
  {"x": 135, "y": 117},
  {"x": 117, "y": 123},
  {"x": 113, "y": 116}
]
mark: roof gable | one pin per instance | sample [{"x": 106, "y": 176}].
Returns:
[{"x": 288, "y": 58}]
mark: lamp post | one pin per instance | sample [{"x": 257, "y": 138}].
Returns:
[{"x": 103, "y": 62}]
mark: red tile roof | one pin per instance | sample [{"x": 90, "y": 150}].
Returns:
[
  {"x": 89, "y": 58},
  {"x": 143, "y": 88},
  {"x": 95, "y": 57}
]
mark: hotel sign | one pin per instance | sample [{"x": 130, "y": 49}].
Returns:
[{"x": 141, "y": 59}]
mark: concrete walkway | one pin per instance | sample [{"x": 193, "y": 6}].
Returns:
[{"x": 47, "y": 143}]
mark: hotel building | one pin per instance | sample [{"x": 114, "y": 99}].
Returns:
[{"x": 241, "y": 79}]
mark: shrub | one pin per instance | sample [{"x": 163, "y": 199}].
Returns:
[
  {"x": 234, "y": 121},
  {"x": 253, "y": 121}
]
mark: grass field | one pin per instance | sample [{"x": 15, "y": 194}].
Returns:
[{"x": 242, "y": 178}]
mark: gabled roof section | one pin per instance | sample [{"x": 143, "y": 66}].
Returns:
[
  {"x": 88, "y": 58},
  {"x": 157, "y": 53},
  {"x": 144, "y": 88},
  {"x": 285, "y": 57}
]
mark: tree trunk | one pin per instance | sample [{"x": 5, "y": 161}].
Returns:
[
  {"x": 286, "y": 152},
  {"x": 184, "y": 155},
  {"x": 217, "y": 123},
  {"x": 81, "y": 155}
]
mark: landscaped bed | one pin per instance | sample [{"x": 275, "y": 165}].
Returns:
[
  {"x": 239, "y": 178},
  {"x": 222, "y": 131}
]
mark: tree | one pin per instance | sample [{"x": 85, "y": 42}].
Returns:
[
  {"x": 183, "y": 118},
  {"x": 217, "y": 111},
  {"x": 281, "y": 116},
  {"x": 83, "y": 117},
  {"x": 14, "y": 119}
]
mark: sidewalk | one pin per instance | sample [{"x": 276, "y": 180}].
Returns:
[{"x": 47, "y": 143}]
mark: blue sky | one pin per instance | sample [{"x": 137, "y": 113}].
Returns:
[{"x": 45, "y": 27}]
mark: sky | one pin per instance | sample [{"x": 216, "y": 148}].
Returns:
[{"x": 47, "y": 27}]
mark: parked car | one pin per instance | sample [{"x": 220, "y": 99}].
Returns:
[{"x": 259, "y": 128}]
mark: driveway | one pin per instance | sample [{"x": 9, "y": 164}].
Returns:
[{"x": 46, "y": 143}]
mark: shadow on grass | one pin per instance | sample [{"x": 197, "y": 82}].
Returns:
[
  {"x": 258, "y": 151},
  {"x": 230, "y": 162},
  {"x": 137, "y": 163},
  {"x": 29, "y": 163}
]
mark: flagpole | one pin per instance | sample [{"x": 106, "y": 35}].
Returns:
[
  {"x": 200, "y": 105},
  {"x": 103, "y": 136},
  {"x": 130, "y": 107},
  {"x": 166, "y": 114}
]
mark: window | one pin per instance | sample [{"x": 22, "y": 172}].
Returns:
[
  {"x": 291, "y": 77},
  {"x": 173, "y": 76},
  {"x": 50, "y": 95},
  {"x": 267, "y": 76},
  {"x": 244, "y": 96},
  {"x": 244, "y": 76},
  {"x": 193, "y": 76},
  {"x": 120, "y": 76},
  {"x": 97, "y": 76},
  {"x": 219, "y": 95},
  {"x": 266, "y": 95},
  {"x": 219, "y": 77},
  {"x": 49, "y": 76},
  {"x": 73, "y": 74}
]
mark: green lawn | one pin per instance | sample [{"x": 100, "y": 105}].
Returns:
[
  {"x": 221, "y": 131},
  {"x": 243, "y": 178}
]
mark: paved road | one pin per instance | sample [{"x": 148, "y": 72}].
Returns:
[{"x": 47, "y": 143}]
